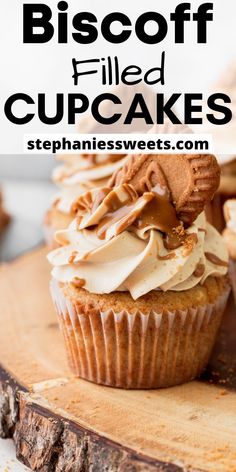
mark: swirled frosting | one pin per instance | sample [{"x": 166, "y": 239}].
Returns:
[
  {"x": 125, "y": 242},
  {"x": 229, "y": 232},
  {"x": 83, "y": 172},
  {"x": 230, "y": 215}
]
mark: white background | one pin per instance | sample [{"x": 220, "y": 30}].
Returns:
[{"x": 34, "y": 68}]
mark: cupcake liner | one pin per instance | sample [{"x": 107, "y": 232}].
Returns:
[
  {"x": 232, "y": 276},
  {"x": 138, "y": 350}
]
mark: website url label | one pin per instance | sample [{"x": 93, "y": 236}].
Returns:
[{"x": 117, "y": 143}]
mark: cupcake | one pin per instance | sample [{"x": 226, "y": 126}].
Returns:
[
  {"x": 229, "y": 235},
  {"x": 226, "y": 190},
  {"x": 4, "y": 217},
  {"x": 224, "y": 138},
  {"x": 136, "y": 282},
  {"x": 74, "y": 176}
]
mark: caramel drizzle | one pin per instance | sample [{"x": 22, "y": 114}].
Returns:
[
  {"x": 72, "y": 257},
  {"x": 215, "y": 259},
  {"x": 82, "y": 204},
  {"x": 167, "y": 257},
  {"x": 116, "y": 210},
  {"x": 158, "y": 212},
  {"x": 175, "y": 238},
  {"x": 199, "y": 271},
  {"x": 103, "y": 192}
]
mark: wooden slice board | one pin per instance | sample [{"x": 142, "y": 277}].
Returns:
[{"x": 61, "y": 423}]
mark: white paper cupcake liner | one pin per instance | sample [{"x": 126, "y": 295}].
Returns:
[{"x": 138, "y": 350}]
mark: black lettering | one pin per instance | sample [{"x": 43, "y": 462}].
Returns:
[
  {"x": 119, "y": 145},
  {"x": 138, "y": 100},
  {"x": 161, "y": 71},
  {"x": 179, "y": 17},
  {"x": 77, "y": 74},
  {"x": 8, "y": 109},
  {"x": 82, "y": 23},
  {"x": 131, "y": 70},
  {"x": 95, "y": 109},
  {"x": 110, "y": 145},
  {"x": 202, "y": 17},
  {"x": 106, "y": 27},
  {"x": 151, "y": 145},
  {"x": 189, "y": 109},
  {"x": 72, "y": 109},
  {"x": 30, "y": 22},
  {"x": 162, "y": 27},
  {"x": 42, "y": 109},
  {"x": 30, "y": 145},
  {"x": 101, "y": 145},
  {"x": 165, "y": 108},
  {"x": 226, "y": 112},
  {"x": 62, "y": 23},
  {"x": 167, "y": 145}
]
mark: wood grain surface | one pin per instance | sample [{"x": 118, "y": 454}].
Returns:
[{"x": 61, "y": 423}]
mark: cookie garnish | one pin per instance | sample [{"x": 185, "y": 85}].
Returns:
[{"x": 192, "y": 179}]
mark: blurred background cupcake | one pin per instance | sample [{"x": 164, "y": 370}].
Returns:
[
  {"x": 230, "y": 239},
  {"x": 227, "y": 190},
  {"x": 224, "y": 139},
  {"x": 139, "y": 294},
  {"x": 74, "y": 176}
]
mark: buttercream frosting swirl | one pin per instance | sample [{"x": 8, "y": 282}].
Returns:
[
  {"x": 120, "y": 241},
  {"x": 80, "y": 173},
  {"x": 230, "y": 215}
]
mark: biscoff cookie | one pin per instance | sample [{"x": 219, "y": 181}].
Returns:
[{"x": 191, "y": 179}]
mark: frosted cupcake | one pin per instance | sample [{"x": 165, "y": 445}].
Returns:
[
  {"x": 74, "y": 176},
  {"x": 225, "y": 139},
  {"x": 136, "y": 283},
  {"x": 227, "y": 190},
  {"x": 230, "y": 239}
]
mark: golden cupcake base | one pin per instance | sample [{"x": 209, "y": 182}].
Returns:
[{"x": 138, "y": 351}]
